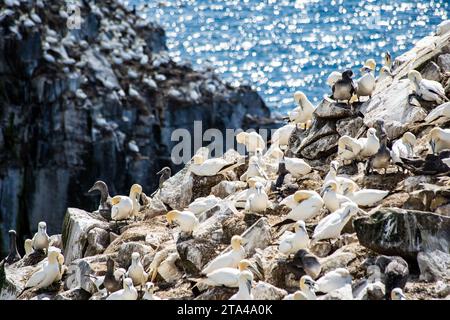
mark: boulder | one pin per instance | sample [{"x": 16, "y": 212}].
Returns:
[
  {"x": 265, "y": 291},
  {"x": 77, "y": 225},
  {"x": 444, "y": 62},
  {"x": 81, "y": 273},
  {"x": 127, "y": 249},
  {"x": 195, "y": 254},
  {"x": 224, "y": 188},
  {"x": 394, "y": 231},
  {"x": 258, "y": 236},
  {"x": 330, "y": 110},
  {"x": 339, "y": 259},
  {"x": 432, "y": 72},
  {"x": 13, "y": 280},
  {"x": 434, "y": 265},
  {"x": 73, "y": 294}
]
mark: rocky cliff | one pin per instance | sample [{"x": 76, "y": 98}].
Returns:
[{"x": 95, "y": 102}]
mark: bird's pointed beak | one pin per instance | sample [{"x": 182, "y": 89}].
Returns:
[
  {"x": 255, "y": 270},
  {"x": 433, "y": 146},
  {"x": 249, "y": 285},
  {"x": 94, "y": 188},
  {"x": 160, "y": 171}
]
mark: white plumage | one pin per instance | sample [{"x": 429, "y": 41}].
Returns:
[
  {"x": 207, "y": 167},
  {"x": 332, "y": 175},
  {"x": 136, "y": 271},
  {"x": 229, "y": 259},
  {"x": 48, "y": 274},
  {"x": 297, "y": 167},
  {"x": 292, "y": 242},
  {"x": 331, "y": 226},
  {"x": 186, "y": 220},
  {"x": 370, "y": 144},
  {"x": 348, "y": 148},
  {"x": 308, "y": 205},
  {"x": 122, "y": 208},
  {"x": 203, "y": 204},
  {"x": 252, "y": 141},
  {"x": 334, "y": 77},
  {"x": 128, "y": 292},
  {"x": 281, "y": 135},
  {"x": 257, "y": 201},
  {"x": 149, "y": 292},
  {"x": 304, "y": 111},
  {"x": 245, "y": 280},
  {"x": 428, "y": 90},
  {"x": 333, "y": 200},
  {"x": 366, "y": 197},
  {"x": 439, "y": 139},
  {"x": 403, "y": 147},
  {"x": 441, "y": 111},
  {"x": 334, "y": 280}
]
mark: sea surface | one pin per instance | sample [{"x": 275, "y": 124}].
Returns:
[{"x": 283, "y": 46}]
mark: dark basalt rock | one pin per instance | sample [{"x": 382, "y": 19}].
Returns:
[{"x": 394, "y": 231}]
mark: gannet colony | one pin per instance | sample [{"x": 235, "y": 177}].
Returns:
[{"x": 349, "y": 201}]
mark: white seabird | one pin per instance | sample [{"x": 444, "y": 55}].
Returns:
[
  {"x": 128, "y": 292},
  {"x": 241, "y": 198},
  {"x": 228, "y": 277},
  {"x": 365, "y": 197},
  {"x": 252, "y": 141},
  {"x": 49, "y": 272},
  {"x": 229, "y": 259},
  {"x": 187, "y": 221},
  {"x": 334, "y": 77},
  {"x": 122, "y": 208},
  {"x": 208, "y": 167},
  {"x": 245, "y": 280},
  {"x": 297, "y": 167},
  {"x": 257, "y": 201},
  {"x": 370, "y": 144},
  {"x": 203, "y": 204},
  {"x": 384, "y": 74},
  {"x": 292, "y": 242},
  {"x": 348, "y": 148},
  {"x": 307, "y": 205},
  {"x": 439, "y": 139},
  {"x": 333, "y": 200},
  {"x": 149, "y": 292},
  {"x": 428, "y": 90},
  {"x": 334, "y": 280},
  {"x": 332, "y": 175},
  {"x": 136, "y": 271},
  {"x": 366, "y": 84},
  {"x": 308, "y": 288},
  {"x": 304, "y": 111},
  {"x": 254, "y": 170},
  {"x": 441, "y": 111},
  {"x": 403, "y": 147},
  {"x": 331, "y": 226},
  {"x": 397, "y": 294},
  {"x": 281, "y": 135},
  {"x": 41, "y": 240}
]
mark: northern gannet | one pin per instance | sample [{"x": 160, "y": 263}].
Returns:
[
  {"x": 403, "y": 147},
  {"x": 439, "y": 139},
  {"x": 203, "y": 204},
  {"x": 136, "y": 271},
  {"x": 305, "y": 262},
  {"x": 187, "y": 221},
  {"x": 229, "y": 277},
  {"x": 257, "y": 201},
  {"x": 229, "y": 259},
  {"x": 332, "y": 175},
  {"x": 128, "y": 292},
  {"x": 241, "y": 198},
  {"x": 135, "y": 195},
  {"x": 245, "y": 280},
  {"x": 41, "y": 240},
  {"x": 304, "y": 110},
  {"x": 397, "y": 294},
  {"x": 149, "y": 292},
  {"x": 28, "y": 246},
  {"x": 292, "y": 242},
  {"x": 331, "y": 226},
  {"x": 296, "y": 167},
  {"x": 113, "y": 280},
  {"x": 385, "y": 73},
  {"x": 308, "y": 205},
  {"x": 49, "y": 273},
  {"x": 331, "y": 198},
  {"x": 428, "y": 90},
  {"x": 122, "y": 208},
  {"x": 252, "y": 141},
  {"x": 344, "y": 88},
  {"x": 254, "y": 170},
  {"x": 441, "y": 111},
  {"x": 365, "y": 197},
  {"x": 208, "y": 167},
  {"x": 308, "y": 288},
  {"x": 366, "y": 84},
  {"x": 13, "y": 255},
  {"x": 281, "y": 135},
  {"x": 333, "y": 77},
  {"x": 370, "y": 144},
  {"x": 348, "y": 148},
  {"x": 164, "y": 175},
  {"x": 334, "y": 280}
]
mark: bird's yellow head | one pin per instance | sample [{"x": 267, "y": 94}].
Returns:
[
  {"x": 241, "y": 137},
  {"x": 236, "y": 242},
  {"x": 308, "y": 284},
  {"x": 198, "y": 159},
  {"x": 414, "y": 76},
  {"x": 385, "y": 71},
  {"x": 409, "y": 138},
  {"x": 299, "y": 96},
  {"x": 435, "y": 133},
  {"x": 370, "y": 64},
  {"x": 136, "y": 188},
  {"x": 115, "y": 200},
  {"x": 397, "y": 294},
  {"x": 171, "y": 216},
  {"x": 252, "y": 182},
  {"x": 244, "y": 264},
  {"x": 301, "y": 195}
]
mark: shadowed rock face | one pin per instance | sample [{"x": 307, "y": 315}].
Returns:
[
  {"x": 393, "y": 231},
  {"x": 66, "y": 123}
]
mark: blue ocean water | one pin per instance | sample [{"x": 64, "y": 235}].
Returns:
[{"x": 280, "y": 46}]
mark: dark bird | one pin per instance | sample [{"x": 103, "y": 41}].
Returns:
[
  {"x": 380, "y": 160},
  {"x": 431, "y": 165},
  {"x": 282, "y": 172},
  {"x": 105, "y": 205},
  {"x": 344, "y": 88},
  {"x": 395, "y": 271},
  {"x": 111, "y": 283},
  {"x": 165, "y": 174},
  {"x": 13, "y": 255},
  {"x": 303, "y": 263}
]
